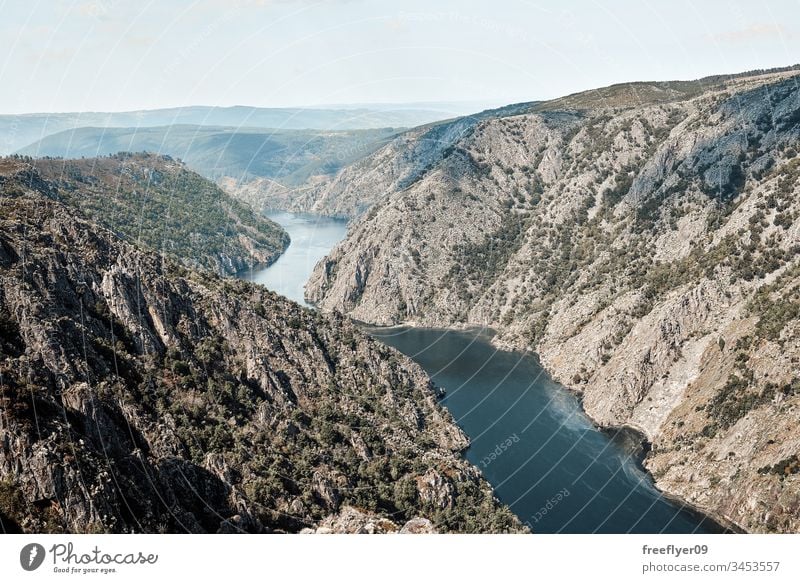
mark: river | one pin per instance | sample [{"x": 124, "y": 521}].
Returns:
[
  {"x": 529, "y": 435},
  {"x": 312, "y": 237}
]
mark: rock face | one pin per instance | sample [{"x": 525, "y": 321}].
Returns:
[
  {"x": 644, "y": 240},
  {"x": 156, "y": 201},
  {"x": 354, "y": 521},
  {"x": 358, "y": 186},
  {"x": 139, "y": 396}
]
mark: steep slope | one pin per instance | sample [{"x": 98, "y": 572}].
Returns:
[
  {"x": 356, "y": 187},
  {"x": 138, "y": 396},
  {"x": 648, "y": 251},
  {"x": 404, "y": 160},
  {"x": 156, "y": 201}
]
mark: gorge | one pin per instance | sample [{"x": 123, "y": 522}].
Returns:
[
  {"x": 505, "y": 402},
  {"x": 577, "y": 289},
  {"x": 642, "y": 239},
  {"x": 139, "y": 395}
]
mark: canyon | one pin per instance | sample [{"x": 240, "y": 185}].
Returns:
[{"x": 642, "y": 239}]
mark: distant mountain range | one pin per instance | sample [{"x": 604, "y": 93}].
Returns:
[
  {"x": 18, "y": 131},
  {"x": 291, "y": 156}
]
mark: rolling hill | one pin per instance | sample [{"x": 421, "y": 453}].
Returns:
[
  {"x": 18, "y": 131},
  {"x": 289, "y": 156}
]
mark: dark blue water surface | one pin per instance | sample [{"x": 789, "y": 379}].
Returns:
[
  {"x": 534, "y": 444},
  {"x": 529, "y": 435}
]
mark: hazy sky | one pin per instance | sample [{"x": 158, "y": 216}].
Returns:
[{"x": 61, "y": 55}]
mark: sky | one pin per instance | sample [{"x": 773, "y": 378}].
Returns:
[{"x": 115, "y": 55}]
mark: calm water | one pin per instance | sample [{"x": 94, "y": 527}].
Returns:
[
  {"x": 534, "y": 444},
  {"x": 312, "y": 237},
  {"x": 529, "y": 435}
]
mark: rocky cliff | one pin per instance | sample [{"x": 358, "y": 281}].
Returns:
[
  {"x": 358, "y": 186},
  {"x": 139, "y": 396},
  {"x": 644, "y": 240},
  {"x": 156, "y": 201}
]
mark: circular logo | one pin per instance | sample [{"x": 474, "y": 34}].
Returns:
[{"x": 31, "y": 556}]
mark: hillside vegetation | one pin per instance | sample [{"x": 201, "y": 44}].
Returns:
[
  {"x": 290, "y": 157},
  {"x": 157, "y": 202}
]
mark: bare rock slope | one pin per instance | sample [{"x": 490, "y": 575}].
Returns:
[{"x": 644, "y": 240}]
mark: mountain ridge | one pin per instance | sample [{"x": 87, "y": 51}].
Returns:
[
  {"x": 356, "y": 187},
  {"x": 647, "y": 251},
  {"x": 222, "y": 152},
  {"x": 157, "y": 201},
  {"x": 19, "y": 130}
]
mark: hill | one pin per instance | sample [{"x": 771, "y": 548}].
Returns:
[
  {"x": 139, "y": 396},
  {"x": 241, "y": 154},
  {"x": 370, "y": 175},
  {"x": 18, "y": 131},
  {"x": 157, "y": 202},
  {"x": 408, "y": 156}
]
